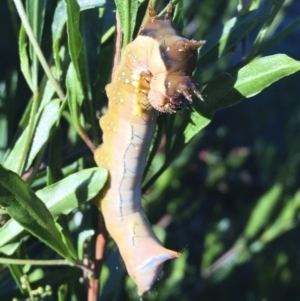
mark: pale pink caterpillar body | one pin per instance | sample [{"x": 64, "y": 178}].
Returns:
[{"x": 154, "y": 75}]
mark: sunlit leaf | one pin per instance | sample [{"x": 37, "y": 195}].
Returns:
[
  {"x": 44, "y": 123},
  {"x": 127, "y": 11},
  {"x": 255, "y": 77},
  {"x": 24, "y": 206},
  {"x": 62, "y": 197}
]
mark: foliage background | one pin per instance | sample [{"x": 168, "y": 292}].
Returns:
[{"x": 230, "y": 200}]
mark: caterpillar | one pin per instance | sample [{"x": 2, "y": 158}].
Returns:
[{"x": 154, "y": 76}]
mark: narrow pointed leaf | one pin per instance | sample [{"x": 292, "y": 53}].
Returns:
[
  {"x": 222, "y": 39},
  {"x": 127, "y": 11},
  {"x": 74, "y": 95},
  {"x": 258, "y": 75},
  {"x": 44, "y": 124},
  {"x": 74, "y": 37},
  {"x": 62, "y": 197},
  {"x": 36, "y": 13},
  {"x": 24, "y": 60},
  {"x": 28, "y": 210}
]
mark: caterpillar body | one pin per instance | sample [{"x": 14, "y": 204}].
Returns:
[{"x": 154, "y": 76}]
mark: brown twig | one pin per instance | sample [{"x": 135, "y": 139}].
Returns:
[
  {"x": 93, "y": 289},
  {"x": 165, "y": 221},
  {"x": 87, "y": 140},
  {"x": 28, "y": 174}
]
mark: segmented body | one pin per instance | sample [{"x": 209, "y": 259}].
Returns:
[{"x": 147, "y": 81}]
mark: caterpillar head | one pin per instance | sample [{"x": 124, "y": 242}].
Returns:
[
  {"x": 172, "y": 83},
  {"x": 172, "y": 62}
]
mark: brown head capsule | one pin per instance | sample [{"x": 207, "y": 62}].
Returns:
[{"x": 172, "y": 60}]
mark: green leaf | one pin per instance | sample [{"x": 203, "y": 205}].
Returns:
[
  {"x": 62, "y": 197},
  {"x": 82, "y": 238},
  {"x": 250, "y": 5},
  {"x": 213, "y": 94},
  {"x": 10, "y": 248},
  {"x": 62, "y": 292},
  {"x": 271, "y": 10},
  {"x": 44, "y": 124},
  {"x": 69, "y": 193},
  {"x": 24, "y": 60},
  {"x": 223, "y": 39},
  {"x": 258, "y": 75},
  {"x": 60, "y": 15},
  {"x": 43, "y": 129},
  {"x": 74, "y": 95},
  {"x": 36, "y": 15},
  {"x": 74, "y": 36},
  {"x": 273, "y": 40},
  {"x": 127, "y": 10},
  {"x": 46, "y": 94},
  {"x": 47, "y": 91},
  {"x": 226, "y": 91},
  {"x": 55, "y": 160},
  {"x": 261, "y": 73},
  {"x": 77, "y": 50},
  {"x": 17, "y": 273},
  {"x": 286, "y": 220},
  {"x": 60, "y": 19},
  {"x": 260, "y": 215},
  {"x": 89, "y": 68},
  {"x": 66, "y": 237},
  {"x": 196, "y": 124},
  {"x": 29, "y": 211}
]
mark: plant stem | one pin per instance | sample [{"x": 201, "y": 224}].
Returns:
[
  {"x": 78, "y": 264},
  {"x": 100, "y": 246}
]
